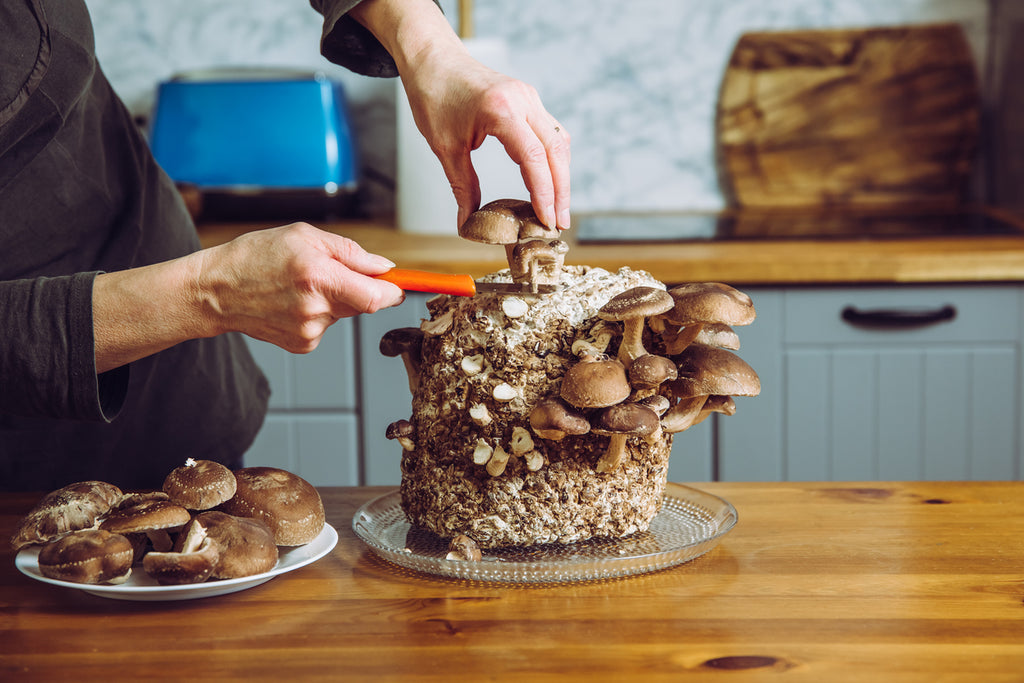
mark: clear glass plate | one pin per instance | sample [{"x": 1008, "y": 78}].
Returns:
[
  {"x": 139, "y": 586},
  {"x": 690, "y": 523}
]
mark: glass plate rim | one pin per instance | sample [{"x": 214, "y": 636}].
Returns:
[{"x": 536, "y": 572}]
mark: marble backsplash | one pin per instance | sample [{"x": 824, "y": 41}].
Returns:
[{"x": 634, "y": 82}]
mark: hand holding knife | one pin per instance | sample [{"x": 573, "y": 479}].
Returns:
[{"x": 459, "y": 285}]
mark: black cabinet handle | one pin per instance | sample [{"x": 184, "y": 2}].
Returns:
[{"x": 897, "y": 319}]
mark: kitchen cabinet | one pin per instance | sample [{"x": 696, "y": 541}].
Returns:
[
  {"x": 846, "y": 400},
  {"x": 839, "y": 401},
  {"x": 312, "y": 427}
]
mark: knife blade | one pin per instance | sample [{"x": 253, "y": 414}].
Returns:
[{"x": 459, "y": 285}]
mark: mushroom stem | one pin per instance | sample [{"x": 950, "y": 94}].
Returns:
[
  {"x": 681, "y": 416},
  {"x": 682, "y": 339},
  {"x": 412, "y": 368},
  {"x": 632, "y": 346},
  {"x": 160, "y": 539},
  {"x": 612, "y": 458}
]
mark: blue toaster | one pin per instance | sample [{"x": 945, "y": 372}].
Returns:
[{"x": 257, "y": 143}]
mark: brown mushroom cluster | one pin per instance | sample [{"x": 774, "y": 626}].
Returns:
[
  {"x": 541, "y": 418},
  {"x": 207, "y": 522}
]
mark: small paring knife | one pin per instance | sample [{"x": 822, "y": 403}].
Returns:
[{"x": 458, "y": 285}]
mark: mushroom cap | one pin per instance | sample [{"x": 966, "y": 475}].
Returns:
[
  {"x": 70, "y": 508},
  {"x": 710, "y": 302},
  {"x": 656, "y": 402},
  {"x": 593, "y": 383},
  {"x": 707, "y": 370},
  {"x": 650, "y": 371},
  {"x": 504, "y": 221},
  {"x": 200, "y": 484},
  {"x": 149, "y": 515},
  {"x": 185, "y": 567},
  {"x": 245, "y": 545},
  {"x": 718, "y": 334},
  {"x": 552, "y": 417},
  {"x": 625, "y": 418},
  {"x": 398, "y": 429},
  {"x": 286, "y": 502},
  {"x": 401, "y": 340},
  {"x": 637, "y": 302},
  {"x": 87, "y": 556}
]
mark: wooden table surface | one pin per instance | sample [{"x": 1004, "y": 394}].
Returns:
[
  {"x": 817, "y": 582},
  {"x": 992, "y": 258}
]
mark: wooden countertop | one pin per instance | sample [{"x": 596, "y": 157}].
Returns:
[
  {"x": 995, "y": 258},
  {"x": 818, "y": 581}
]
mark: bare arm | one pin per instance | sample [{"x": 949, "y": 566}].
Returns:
[{"x": 285, "y": 286}]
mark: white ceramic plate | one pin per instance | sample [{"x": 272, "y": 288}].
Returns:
[{"x": 139, "y": 586}]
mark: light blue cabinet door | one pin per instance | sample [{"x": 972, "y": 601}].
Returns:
[
  {"x": 384, "y": 389},
  {"x": 936, "y": 402},
  {"x": 323, "y": 449}
]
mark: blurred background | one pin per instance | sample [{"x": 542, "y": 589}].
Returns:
[{"x": 635, "y": 82}]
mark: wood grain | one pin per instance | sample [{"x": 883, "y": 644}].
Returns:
[
  {"x": 818, "y": 582},
  {"x": 848, "y": 117}
]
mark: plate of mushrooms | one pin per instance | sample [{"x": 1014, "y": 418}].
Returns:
[{"x": 209, "y": 531}]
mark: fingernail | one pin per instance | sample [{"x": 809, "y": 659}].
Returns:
[
  {"x": 549, "y": 216},
  {"x": 382, "y": 262},
  {"x": 563, "y": 219}
]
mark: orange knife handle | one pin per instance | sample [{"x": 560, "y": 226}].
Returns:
[{"x": 425, "y": 281}]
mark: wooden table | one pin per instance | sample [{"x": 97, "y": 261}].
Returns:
[{"x": 818, "y": 582}]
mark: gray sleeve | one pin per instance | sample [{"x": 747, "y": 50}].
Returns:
[
  {"x": 47, "y": 352},
  {"x": 348, "y": 43}
]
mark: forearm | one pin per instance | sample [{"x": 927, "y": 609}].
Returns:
[
  {"x": 408, "y": 29},
  {"x": 141, "y": 311}
]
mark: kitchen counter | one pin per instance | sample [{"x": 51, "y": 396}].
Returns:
[
  {"x": 818, "y": 581},
  {"x": 947, "y": 259}
]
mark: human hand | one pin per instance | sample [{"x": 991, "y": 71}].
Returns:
[
  {"x": 287, "y": 285},
  {"x": 457, "y": 102}
]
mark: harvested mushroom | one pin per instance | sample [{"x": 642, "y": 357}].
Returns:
[
  {"x": 286, "y": 502},
  {"x": 402, "y": 430},
  {"x": 700, "y": 303},
  {"x": 482, "y": 452},
  {"x": 619, "y": 422},
  {"x": 505, "y": 221},
  {"x": 407, "y": 343},
  {"x": 504, "y": 392},
  {"x": 199, "y": 484},
  {"x": 464, "y": 548},
  {"x": 521, "y": 440},
  {"x": 87, "y": 556},
  {"x": 70, "y": 508},
  {"x": 245, "y": 546},
  {"x": 553, "y": 419},
  {"x": 632, "y": 308},
  {"x": 155, "y": 518},
  {"x": 195, "y": 562}
]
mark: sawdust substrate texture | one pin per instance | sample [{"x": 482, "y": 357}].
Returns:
[{"x": 566, "y": 500}]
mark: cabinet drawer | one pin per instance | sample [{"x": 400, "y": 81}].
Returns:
[{"x": 979, "y": 314}]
